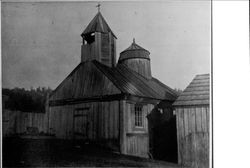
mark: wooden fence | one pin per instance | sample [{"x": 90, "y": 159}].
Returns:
[{"x": 17, "y": 122}]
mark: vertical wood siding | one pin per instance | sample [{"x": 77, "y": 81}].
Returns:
[
  {"x": 105, "y": 50},
  {"x": 113, "y": 50},
  {"x": 137, "y": 145},
  {"x": 88, "y": 52},
  {"x": 102, "y": 118},
  {"x": 193, "y": 136},
  {"x": 135, "y": 141},
  {"x": 102, "y": 49},
  {"x": 16, "y": 122},
  {"x": 141, "y": 66}
]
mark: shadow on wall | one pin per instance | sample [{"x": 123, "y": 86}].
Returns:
[{"x": 163, "y": 133}]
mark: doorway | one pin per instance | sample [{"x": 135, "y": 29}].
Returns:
[
  {"x": 81, "y": 123},
  {"x": 163, "y": 134}
]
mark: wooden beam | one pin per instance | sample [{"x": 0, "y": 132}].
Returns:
[
  {"x": 103, "y": 98},
  {"x": 122, "y": 127}
]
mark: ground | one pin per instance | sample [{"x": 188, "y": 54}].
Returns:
[{"x": 48, "y": 153}]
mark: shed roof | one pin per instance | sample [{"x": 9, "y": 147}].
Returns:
[
  {"x": 197, "y": 92},
  {"x": 98, "y": 24}
]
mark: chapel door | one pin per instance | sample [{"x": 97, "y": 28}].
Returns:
[{"x": 81, "y": 123}]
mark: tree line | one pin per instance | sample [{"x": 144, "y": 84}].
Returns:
[
  {"x": 20, "y": 99},
  {"x": 179, "y": 91},
  {"x": 32, "y": 100}
]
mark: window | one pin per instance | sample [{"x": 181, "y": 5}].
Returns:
[{"x": 138, "y": 116}]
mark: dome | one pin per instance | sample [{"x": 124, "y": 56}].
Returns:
[
  {"x": 134, "y": 51},
  {"x": 137, "y": 59}
]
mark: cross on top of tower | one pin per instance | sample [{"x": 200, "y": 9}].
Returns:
[{"x": 98, "y": 6}]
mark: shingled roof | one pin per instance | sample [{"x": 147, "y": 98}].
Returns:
[
  {"x": 134, "y": 51},
  {"x": 127, "y": 81},
  {"x": 98, "y": 24},
  {"x": 197, "y": 92},
  {"x": 131, "y": 82}
]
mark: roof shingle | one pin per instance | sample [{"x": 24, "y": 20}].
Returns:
[
  {"x": 88, "y": 80},
  {"x": 98, "y": 24},
  {"x": 197, "y": 92},
  {"x": 129, "y": 81},
  {"x": 134, "y": 51}
]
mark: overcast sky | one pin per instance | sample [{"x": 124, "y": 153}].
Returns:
[{"x": 41, "y": 41}]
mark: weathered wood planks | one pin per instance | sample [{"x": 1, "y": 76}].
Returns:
[
  {"x": 137, "y": 145},
  {"x": 141, "y": 66},
  {"x": 17, "y": 122},
  {"x": 134, "y": 141},
  {"x": 102, "y": 121},
  {"x": 193, "y": 135},
  {"x": 101, "y": 49}
]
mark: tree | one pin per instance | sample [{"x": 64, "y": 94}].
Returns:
[
  {"x": 179, "y": 91},
  {"x": 32, "y": 100}
]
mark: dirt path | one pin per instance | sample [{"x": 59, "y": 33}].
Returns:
[{"x": 44, "y": 153}]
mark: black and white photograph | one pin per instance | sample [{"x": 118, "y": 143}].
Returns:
[{"x": 106, "y": 83}]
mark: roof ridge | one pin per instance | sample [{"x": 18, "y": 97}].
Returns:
[
  {"x": 130, "y": 82},
  {"x": 60, "y": 85},
  {"x": 130, "y": 48},
  {"x": 198, "y": 96},
  {"x": 99, "y": 67},
  {"x": 132, "y": 72},
  {"x": 93, "y": 25},
  {"x": 162, "y": 84}
]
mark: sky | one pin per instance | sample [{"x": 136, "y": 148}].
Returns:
[{"x": 41, "y": 40}]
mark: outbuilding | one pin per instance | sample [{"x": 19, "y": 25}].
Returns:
[{"x": 192, "y": 119}]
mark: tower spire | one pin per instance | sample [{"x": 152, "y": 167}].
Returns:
[{"x": 98, "y": 6}]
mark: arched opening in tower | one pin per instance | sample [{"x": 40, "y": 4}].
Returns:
[{"x": 89, "y": 38}]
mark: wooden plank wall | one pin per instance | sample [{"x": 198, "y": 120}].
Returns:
[
  {"x": 141, "y": 66},
  {"x": 138, "y": 145},
  {"x": 88, "y": 52},
  {"x": 122, "y": 125},
  {"x": 136, "y": 141},
  {"x": 16, "y": 122},
  {"x": 113, "y": 49},
  {"x": 8, "y": 122},
  {"x": 193, "y": 136},
  {"x": 103, "y": 118},
  {"x": 105, "y": 50}
]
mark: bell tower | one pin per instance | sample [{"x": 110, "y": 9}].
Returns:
[{"x": 99, "y": 42}]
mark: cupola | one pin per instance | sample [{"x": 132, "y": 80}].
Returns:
[{"x": 136, "y": 58}]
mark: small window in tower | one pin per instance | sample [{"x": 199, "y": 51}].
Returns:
[
  {"x": 138, "y": 116},
  {"x": 90, "y": 38}
]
